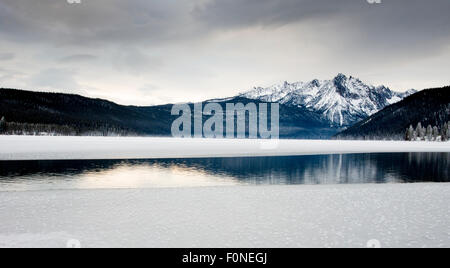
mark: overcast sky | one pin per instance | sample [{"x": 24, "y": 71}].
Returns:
[{"x": 149, "y": 52}]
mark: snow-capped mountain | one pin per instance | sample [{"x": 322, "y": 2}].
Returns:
[{"x": 343, "y": 100}]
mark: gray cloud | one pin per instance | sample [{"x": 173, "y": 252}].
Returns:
[
  {"x": 413, "y": 23},
  {"x": 63, "y": 79},
  {"x": 78, "y": 58},
  {"x": 394, "y": 24},
  {"x": 7, "y": 56},
  {"x": 245, "y": 13},
  {"x": 135, "y": 62},
  {"x": 7, "y": 75},
  {"x": 218, "y": 47},
  {"x": 94, "y": 21}
]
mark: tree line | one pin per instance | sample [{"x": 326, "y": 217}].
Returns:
[
  {"x": 430, "y": 133},
  {"x": 36, "y": 129}
]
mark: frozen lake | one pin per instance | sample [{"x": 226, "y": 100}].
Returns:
[
  {"x": 145, "y": 192},
  {"x": 88, "y": 148}
]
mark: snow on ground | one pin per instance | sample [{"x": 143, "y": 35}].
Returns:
[
  {"x": 397, "y": 215},
  {"x": 52, "y": 148}
]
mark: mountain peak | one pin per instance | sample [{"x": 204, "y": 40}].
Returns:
[
  {"x": 343, "y": 100},
  {"x": 340, "y": 77},
  {"x": 340, "y": 83}
]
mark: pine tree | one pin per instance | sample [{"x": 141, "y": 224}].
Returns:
[
  {"x": 447, "y": 131},
  {"x": 420, "y": 133},
  {"x": 2, "y": 125},
  {"x": 443, "y": 132},
  {"x": 429, "y": 133},
  {"x": 411, "y": 134},
  {"x": 435, "y": 133}
]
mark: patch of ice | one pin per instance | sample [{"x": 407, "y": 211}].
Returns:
[
  {"x": 54, "y": 148},
  {"x": 396, "y": 215}
]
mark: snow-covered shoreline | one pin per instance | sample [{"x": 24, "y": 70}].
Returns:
[
  {"x": 67, "y": 148},
  {"x": 397, "y": 215}
]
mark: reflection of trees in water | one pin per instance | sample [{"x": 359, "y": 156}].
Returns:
[
  {"x": 54, "y": 168},
  {"x": 429, "y": 166},
  {"x": 330, "y": 169},
  {"x": 316, "y": 169}
]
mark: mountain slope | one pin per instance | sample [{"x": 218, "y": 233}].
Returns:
[
  {"x": 430, "y": 107},
  {"x": 295, "y": 122},
  {"x": 343, "y": 101},
  {"x": 84, "y": 115},
  {"x": 87, "y": 116}
]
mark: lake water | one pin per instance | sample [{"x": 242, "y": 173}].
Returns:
[{"x": 317, "y": 169}]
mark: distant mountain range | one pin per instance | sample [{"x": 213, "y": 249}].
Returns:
[
  {"x": 76, "y": 115},
  {"x": 428, "y": 107},
  {"x": 342, "y": 101},
  {"x": 310, "y": 110}
]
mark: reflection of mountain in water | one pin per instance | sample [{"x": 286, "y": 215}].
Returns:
[
  {"x": 317, "y": 169},
  {"x": 329, "y": 169}
]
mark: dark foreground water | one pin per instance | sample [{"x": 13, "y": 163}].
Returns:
[{"x": 317, "y": 169}]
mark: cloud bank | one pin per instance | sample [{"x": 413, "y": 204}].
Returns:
[{"x": 192, "y": 50}]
